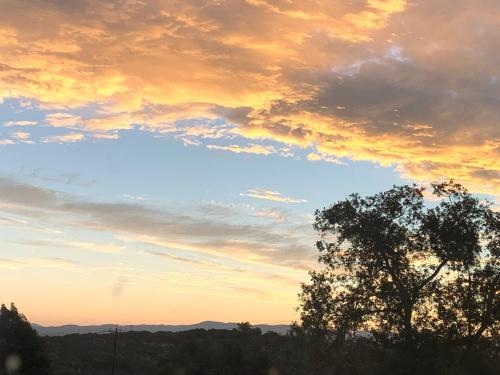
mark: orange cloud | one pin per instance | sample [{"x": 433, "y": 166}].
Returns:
[
  {"x": 184, "y": 54},
  {"x": 62, "y": 120},
  {"x": 408, "y": 84}
]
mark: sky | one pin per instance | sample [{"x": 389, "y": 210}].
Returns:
[{"x": 161, "y": 161}]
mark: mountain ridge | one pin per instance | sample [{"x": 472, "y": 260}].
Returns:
[{"x": 68, "y": 329}]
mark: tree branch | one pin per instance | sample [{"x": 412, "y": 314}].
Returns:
[
  {"x": 432, "y": 276},
  {"x": 396, "y": 279},
  {"x": 486, "y": 317}
]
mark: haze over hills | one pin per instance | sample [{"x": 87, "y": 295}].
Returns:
[{"x": 106, "y": 328}]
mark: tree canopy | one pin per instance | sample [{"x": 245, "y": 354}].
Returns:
[
  {"x": 246, "y": 351},
  {"x": 403, "y": 269},
  {"x": 21, "y": 349}
]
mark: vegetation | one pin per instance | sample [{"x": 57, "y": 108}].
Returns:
[
  {"x": 404, "y": 272},
  {"x": 248, "y": 352},
  {"x": 21, "y": 349}
]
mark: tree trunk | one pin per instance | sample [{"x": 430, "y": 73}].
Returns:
[{"x": 408, "y": 327}]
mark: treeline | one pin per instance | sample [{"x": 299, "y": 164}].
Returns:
[
  {"x": 242, "y": 351},
  {"x": 246, "y": 351}
]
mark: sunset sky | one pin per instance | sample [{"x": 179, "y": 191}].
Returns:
[{"x": 161, "y": 161}]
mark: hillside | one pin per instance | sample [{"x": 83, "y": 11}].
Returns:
[{"x": 106, "y": 328}]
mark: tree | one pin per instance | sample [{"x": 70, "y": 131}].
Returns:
[
  {"x": 21, "y": 349},
  {"x": 402, "y": 270}
]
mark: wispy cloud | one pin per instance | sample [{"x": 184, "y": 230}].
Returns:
[
  {"x": 27, "y": 225},
  {"x": 20, "y": 123},
  {"x": 87, "y": 246},
  {"x": 105, "y": 136},
  {"x": 250, "y": 149},
  {"x": 21, "y": 263},
  {"x": 66, "y": 138},
  {"x": 65, "y": 120},
  {"x": 273, "y": 213},
  {"x": 314, "y": 156},
  {"x": 254, "y": 243},
  {"x": 225, "y": 210},
  {"x": 21, "y": 135},
  {"x": 133, "y": 197},
  {"x": 205, "y": 131},
  {"x": 270, "y": 195}
]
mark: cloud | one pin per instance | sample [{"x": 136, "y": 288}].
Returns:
[
  {"x": 26, "y": 225},
  {"x": 314, "y": 156},
  {"x": 269, "y": 245},
  {"x": 21, "y": 263},
  {"x": 273, "y": 213},
  {"x": 63, "y": 178},
  {"x": 105, "y": 248},
  {"x": 20, "y": 123},
  {"x": 259, "y": 193},
  {"x": 133, "y": 197},
  {"x": 250, "y": 149},
  {"x": 4, "y": 142},
  {"x": 66, "y": 138},
  {"x": 205, "y": 131},
  {"x": 225, "y": 210},
  {"x": 105, "y": 136},
  {"x": 66, "y": 120},
  {"x": 20, "y": 135},
  {"x": 411, "y": 84}
]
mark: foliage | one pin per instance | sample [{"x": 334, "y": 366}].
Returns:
[
  {"x": 21, "y": 349},
  {"x": 242, "y": 351},
  {"x": 224, "y": 352},
  {"x": 406, "y": 272}
]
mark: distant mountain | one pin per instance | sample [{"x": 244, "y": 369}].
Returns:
[{"x": 106, "y": 328}]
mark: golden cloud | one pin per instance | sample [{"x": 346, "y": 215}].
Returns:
[
  {"x": 387, "y": 81},
  {"x": 316, "y": 156}
]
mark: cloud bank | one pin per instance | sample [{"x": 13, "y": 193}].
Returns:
[
  {"x": 411, "y": 84},
  {"x": 273, "y": 245}
]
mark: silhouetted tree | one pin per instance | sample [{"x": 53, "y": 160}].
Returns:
[
  {"x": 246, "y": 327},
  {"x": 236, "y": 352},
  {"x": 21, "y": 349},
  {"x": 403, "y": 270}
]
